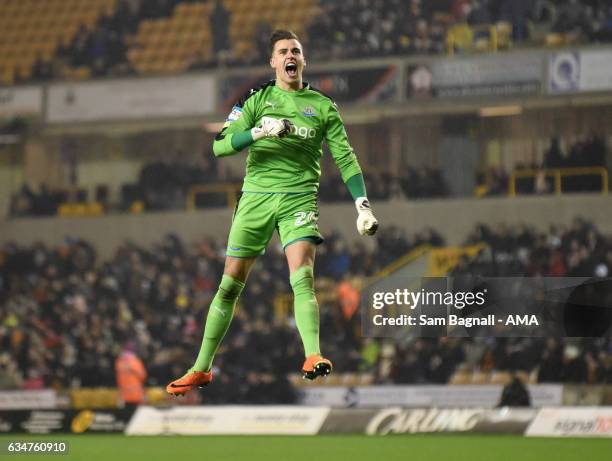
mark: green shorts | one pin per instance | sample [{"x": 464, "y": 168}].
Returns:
[{"x": 257, "y": 214}]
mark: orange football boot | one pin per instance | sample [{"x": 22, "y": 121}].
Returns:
[
  {"x": 190, "y": 380},
  {"x": 315, "y": 366}
]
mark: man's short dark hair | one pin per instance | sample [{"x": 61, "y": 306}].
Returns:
[{"x": 281, "y": 34}]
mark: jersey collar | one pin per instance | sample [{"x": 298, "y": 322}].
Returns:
[{"x": 305, "y": 86}]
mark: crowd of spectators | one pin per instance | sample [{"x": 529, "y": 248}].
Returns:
[
  {"x": 578, "y": 250},
  {"x": 394, "y": 27},
  {"x": 590, "y": 19},
  {"x": 584, "y": 151},
  {"x": 424, "y": 182},
  {"x": 103, "y": 50},
  {"x": 554, "y": 360},
  {"x": 164, "y": 184},
  {"x": 491, "y": 181},
  {"x": 355, "y": 28},
  {"x": 34, "y": 200},
  {"x": 343, "y": 29},
  {"x": 38, "y": 199},
  {"x": 412, "y": 183},
  {"x": 65, "y": 315}
]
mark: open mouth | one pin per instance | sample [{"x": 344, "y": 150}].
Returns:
[{"x": 291, "y": 69}]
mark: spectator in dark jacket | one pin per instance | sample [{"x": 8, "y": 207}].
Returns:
[{"x": 515, "y": 394}]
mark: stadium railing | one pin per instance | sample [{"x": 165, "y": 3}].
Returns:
[
  {"x": 444, "y": 260},
  {"x": 80, "y": 209},
  {"x": 558, "y": 174}
]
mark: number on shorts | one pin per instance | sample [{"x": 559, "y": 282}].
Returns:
[{"x": 304, "y": 217}]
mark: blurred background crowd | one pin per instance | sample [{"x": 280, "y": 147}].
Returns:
[
  {"x": 66, "y": 314},
  {"x": 166, "y": 183},
  {"x": 169, "y": 37},
  {"x": 113, "y": 41}
]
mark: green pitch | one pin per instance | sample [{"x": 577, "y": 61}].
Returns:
[{"x": 332, "y": 448}]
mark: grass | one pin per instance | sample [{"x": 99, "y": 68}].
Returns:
[{"x": 329, "y": 447}]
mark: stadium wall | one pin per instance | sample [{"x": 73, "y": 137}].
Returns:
[
  {"x": 291, "y": 420},
  {"x": 455, "y": 85},
  {"x": 453, "y": 218}
]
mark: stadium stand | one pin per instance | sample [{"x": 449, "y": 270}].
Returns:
[
  {"x": 188, "y": 181},
  {"x": 168, "y": 45},
  {"x": 483, "y": 129},
  {"x": 65, "y": 315},
  {"x": 170, "y": 184},
  {"x": 33, "y": 33},
  {"x": 577, "y": 251},
  {"x": 73, "y": 40},
  {"x": 581, "y": 167}
]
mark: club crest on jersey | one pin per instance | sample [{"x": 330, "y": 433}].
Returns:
[
  {"x": 309, "y": 111},
  {"x": 234, "y": 114}
]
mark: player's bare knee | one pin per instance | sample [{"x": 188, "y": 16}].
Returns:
[
  {"x": 299, "y": 254},
  {"x": 238, "y": 268}
]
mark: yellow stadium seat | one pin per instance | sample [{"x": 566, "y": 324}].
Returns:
[
  {"x": 200, "y": 9},
  {"x": 500, "y": 377},
  {"x": 7, "y": 76},
  {"x": 174, "y": 65},
  {"x": 481, "y": 377},
  {"x": 350, "y": 379},
  {"x": 461, "y": 377},
  {"x": 134, "y": 54},
  {"x": 187, "y": 33},
  {"x": 243, "y": 47},
  {"x": 95, "y": 209},
  {"x": 554, "y": 40},
  {"x": 182, "y": 10},
  {"x": 81, "y": 73},
  {"x": 156, "y": 395},
  {"x": 146, "y": 26},
  {"x": 504, "y": 34},
  {"x": 35, "y": 28},
  {"x": 366, "y": 379},
  {"x": 523, "y": 376}
]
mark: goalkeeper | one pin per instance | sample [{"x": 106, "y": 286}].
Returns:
[{"x": 283, "y": 123}]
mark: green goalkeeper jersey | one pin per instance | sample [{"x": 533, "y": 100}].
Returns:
[{"x": 290, "y": 163}]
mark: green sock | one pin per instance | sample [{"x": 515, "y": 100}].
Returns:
[
  {"x": 220, "y": 314},
  {"x": 306, "y": 308}
]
